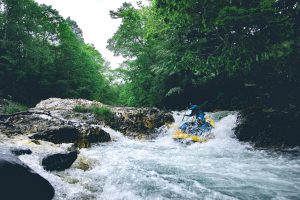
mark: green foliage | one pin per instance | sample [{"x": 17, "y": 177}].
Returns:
[
  {"x": 13, "y": 107},
  {"x": 82, "y": 109},
  {"x": 43, "y": 55},
  {"x": 175, "y": 50},
  {"x": 102, "y": 113}
]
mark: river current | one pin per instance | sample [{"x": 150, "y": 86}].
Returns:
[{"x": 222, "y": 168}]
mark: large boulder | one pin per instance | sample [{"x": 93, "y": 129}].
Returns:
[
  {"x": 53, "y": 104},
  {"x": 267, "y": 127},
  {"x": 88, "y": 133},
  {"x": 18, "y": 181},
  {"x": 139, "y": 122},
  {"x": 59, "y": 135},
  {"x": 60, "y": 161},
  {"x": 95, "y": 134}
]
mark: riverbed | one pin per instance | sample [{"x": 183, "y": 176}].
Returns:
[{"x": 222, "y": 168}]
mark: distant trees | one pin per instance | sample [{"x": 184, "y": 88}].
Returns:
[
  {"x": 43, "y": 55},
  {"x": 184, "y": 51},
  {"x": 176, "y": 52}
]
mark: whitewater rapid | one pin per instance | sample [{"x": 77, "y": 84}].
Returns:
[{"x": 222, "y": 168}]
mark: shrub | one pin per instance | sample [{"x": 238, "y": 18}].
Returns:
[
  {"x": 102, "y": 113},
  {"x": 82, "y": 109},
  {"x": 13, "y": 107}
]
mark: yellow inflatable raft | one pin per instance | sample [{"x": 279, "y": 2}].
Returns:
[{"x": 178, "y": 135}]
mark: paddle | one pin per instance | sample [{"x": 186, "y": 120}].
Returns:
[{"x": 184, "y": 115}]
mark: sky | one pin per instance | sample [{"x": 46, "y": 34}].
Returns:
[{"x": 92, "y": 16}]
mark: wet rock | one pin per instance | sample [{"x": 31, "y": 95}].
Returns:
[
  {"x": 82, "y": 163},
  {"x": 268, "y": 127},
  {"x": 82, "y": 136},
  {"x": 18, "y": 181},
  {"x": 19, "y": 151},
  {"x": 58, "y": 136},
  {"x": 92, "y": 134},
  {"x": 36, "y": 142},
  {"x": 29, "y": 123},
  {"x": 82, "y": 143},
  {"x": 140, "y": 122},
  {"x": 55, "y": 121},
  {"x": 97, "y": 134},
  {"x": 71, "y": 180},
  {"x": 59, "y": 162}
]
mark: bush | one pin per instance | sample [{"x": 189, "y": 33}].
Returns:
[
  {"x": 13, "y": 107},
  {"x": 82, "y": 109},
  {"x": 102, "y": 113}
]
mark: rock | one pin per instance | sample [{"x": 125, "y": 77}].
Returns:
[
  {"x": 70, "y": 180},
  {"x": 64, "y": 104},
  {"x": 96, "y": 134},
  {"x": 139, "y": 122},
  {"x": 18, "y": 151},
  {"x": 30, "y": 123},
  {"x": 91, "y": 135},
  {"x": 58, "y": 136},
  {"x": 59, "y": 162},
  {"x": 82, "y": 163},
  {"x": 267, "y": 127},
  {"x": 18, "y": 181},
  {"x": 55, "y": 121},
  {"x": 80, "y": 135},
  {"x": 36, "y": 142}
]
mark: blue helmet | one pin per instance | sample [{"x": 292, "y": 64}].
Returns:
[{"x": 194, "y": 107}]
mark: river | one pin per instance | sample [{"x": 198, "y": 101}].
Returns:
[{"x": 222, "y": 168}]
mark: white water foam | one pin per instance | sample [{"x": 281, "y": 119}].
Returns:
[{"x": 222, "y": 168}]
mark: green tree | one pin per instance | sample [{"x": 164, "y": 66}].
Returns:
[
  {"x": 184, "y": 51},
  {"x": 43, "y": 55}
]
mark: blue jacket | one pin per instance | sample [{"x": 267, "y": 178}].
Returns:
[{"x": 199, "y": 113}]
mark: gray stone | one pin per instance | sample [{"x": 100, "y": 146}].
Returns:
[
  {"x": 60, "y": 161},
  {"x": 18, "y": 181}
]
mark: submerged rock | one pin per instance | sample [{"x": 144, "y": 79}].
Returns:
[
  {"x": 59, "y": 162},
  {"x": 19, "y": 151},
  {"x": 82, "y": 163},
  {"x": 18, "y": 181},
  {"x": 269, "y": 127}
]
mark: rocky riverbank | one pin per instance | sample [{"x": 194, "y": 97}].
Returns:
[
  {"x": 56, "y": 121},
  {"x": 269, "y": 127},
  {"x": 54, "y": 129}
]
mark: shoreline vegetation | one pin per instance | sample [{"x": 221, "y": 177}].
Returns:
[
  {"x": 11, "y": 107},
  {"x": 102, "y": 113}
]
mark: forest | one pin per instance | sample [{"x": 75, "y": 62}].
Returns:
[
  {"x": 44, "y": 55},
  {"x": 223, "y": 55},
  {"x": 226, "y": 54}
]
